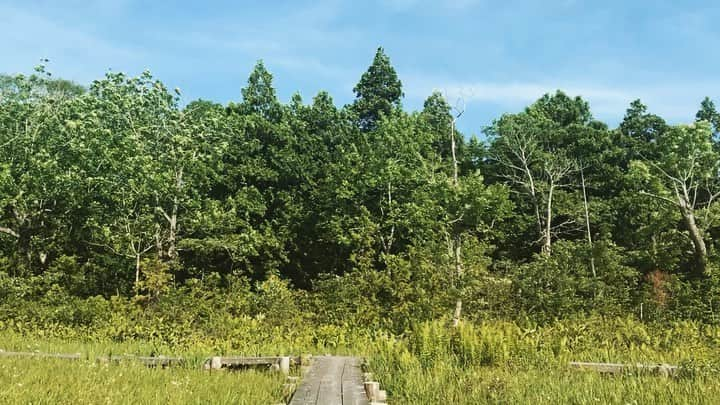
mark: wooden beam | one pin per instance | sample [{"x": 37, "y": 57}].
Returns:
[
  {"x": 281, "y": 362},
  {"x": 618, "y": 368},
  {"x": 66, "y": 356},
  {"x": 155, "y": 361}
]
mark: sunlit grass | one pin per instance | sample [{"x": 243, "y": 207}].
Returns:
[
  {"x": 485, "y": 362},
  {"x": 87, "y": 381},
  {"x": 498, "y": 363},
  {"x": 56, "y": 381}
]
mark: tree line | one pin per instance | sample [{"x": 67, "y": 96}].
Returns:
[{"x": 118, "y": 189}]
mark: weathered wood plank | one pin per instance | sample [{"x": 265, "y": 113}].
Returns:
[
  {"x": 149, "y": 361},
  {"x": 618, "y": 368},
  {"x": 352, "y": 383},
  {"x": 282, "y": 363},
  {"x": 330, "y": 388},
  {"x": 332, "y": 380},
  {"x": 307, "y": 392},
  {"x": 66, "y": 356}
]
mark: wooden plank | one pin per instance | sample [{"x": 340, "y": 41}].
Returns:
[
  {"x": 353, "y": 387},
  {"x": 154, "y": 361},
  {"x": 238, "y": 361},
  {"x": 149, "y": 361},
  {"x": 332, "y": 380},
  {"x": 307, "y": 392},
  {"x": 65, "y": 356},
  {"x": 330, "y": 389},
  {"x": 618, "y": 368}
]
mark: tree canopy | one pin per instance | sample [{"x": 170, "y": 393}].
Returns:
[{"x": 123, "y": 187}]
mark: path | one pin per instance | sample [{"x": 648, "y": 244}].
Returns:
[{"x": 332, "y": 380}]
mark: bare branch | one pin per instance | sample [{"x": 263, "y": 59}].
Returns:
[
  {"x": 659, "y": 197},
  {"x": 9, "y": 231}
]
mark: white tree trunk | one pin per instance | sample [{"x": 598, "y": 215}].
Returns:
[
  {"x": 137, "y": 273},
  {"x": 457, "y": 314},
  {"x": 696, "y": 235},
  {"x": 547, "y": 231},
  {"x": 587, "y": 224}
]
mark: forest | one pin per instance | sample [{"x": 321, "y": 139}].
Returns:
[{"x": 127, "y": 215}]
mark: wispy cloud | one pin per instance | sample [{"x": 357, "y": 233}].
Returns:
[
  {"x": 677, "y": 102},
  {"x": 453, "y": 5},
  {"x": 79, "y": 55}
]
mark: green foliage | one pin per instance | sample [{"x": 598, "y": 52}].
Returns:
[
  {"x": 126, "y": 215},
  {"x": 259, "y": 95},
  {"x": 156, "y": 279},
  {"x": 378, "y": 92},
  {"x": 709, "y": 113},
  {"x": 563, "y": 284}
]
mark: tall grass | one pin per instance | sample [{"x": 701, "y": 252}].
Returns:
[{"x": 501, "y": 362}]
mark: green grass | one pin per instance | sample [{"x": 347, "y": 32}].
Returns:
[
  {"x": 55, "y": 381},
  {"x": 86, "y": 381},
  {"x": 479, "y": 385},
  {"x": 501, "y": 363},
  {"x": 490, "y": 362}
]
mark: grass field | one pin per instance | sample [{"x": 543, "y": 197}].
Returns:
[
  {"x": 54, "y": 381},
  {"x": 446, "y": 384},
  {"x": 86, "y": 381},
  {"x": 493, "y": 362},
  {"x": 500, "y": 363}
]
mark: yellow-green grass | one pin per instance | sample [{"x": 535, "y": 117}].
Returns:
[
  {"x": 86, "y": 381},
  {"x": 57, "y": 381},
  {"x": 500, "y": 363},
  {"x": 447, "y": 384}
]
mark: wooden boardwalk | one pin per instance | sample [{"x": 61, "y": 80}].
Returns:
[{"x": 332, "y": 380}]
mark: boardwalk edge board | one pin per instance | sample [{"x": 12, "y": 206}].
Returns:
[{"x": 662, "y": 369}]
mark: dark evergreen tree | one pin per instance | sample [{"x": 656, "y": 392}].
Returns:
[
  {"x": 378, "y": 92},
  {"x": 436, "y": 112},
  {"x": 709, "y": 113}
]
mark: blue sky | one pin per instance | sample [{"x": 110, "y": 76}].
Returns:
[{"x": 498, "y": 56}]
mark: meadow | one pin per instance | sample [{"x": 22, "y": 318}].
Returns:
[
  {"x": 88, "y": 381},
  {"x": 494, "y": 362},
  {"x": 57, "y": 381},
  {"x": 502, "y": 363}
]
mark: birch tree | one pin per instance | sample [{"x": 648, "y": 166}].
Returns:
[
  {"x": 684, "y": 177},
  {"x": 534, "y": 171}
]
